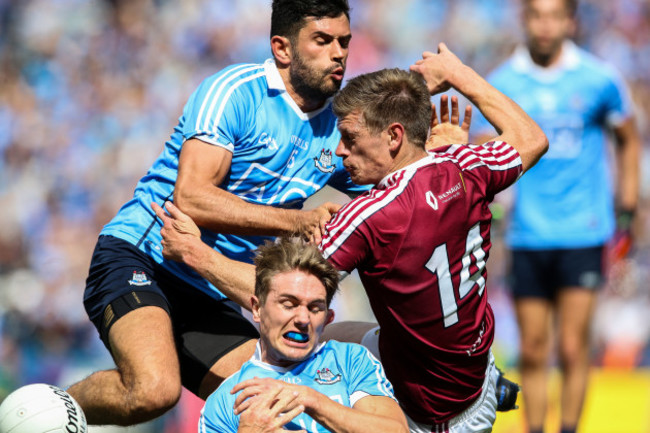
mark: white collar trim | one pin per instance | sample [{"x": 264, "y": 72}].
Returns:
[
  {"x": 257, "y": 359},
  {"x": 569, "y": 59}
]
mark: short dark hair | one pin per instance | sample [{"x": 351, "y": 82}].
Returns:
[
  {"x": 289, "y": 16},
  {"x": 387, "y": 96},
  {"x": 290, "y": 254}
]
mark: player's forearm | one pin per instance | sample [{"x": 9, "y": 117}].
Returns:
[
  {"x": 509, "y": 119},
  {"x": 234, "y": 279},
  {"x": 220, "y": 211},
  {"x": 629, "y": 145},
  {"x": 341, "y": 419}
]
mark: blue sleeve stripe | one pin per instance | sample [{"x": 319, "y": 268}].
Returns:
[{"x": 214, "y": 93}]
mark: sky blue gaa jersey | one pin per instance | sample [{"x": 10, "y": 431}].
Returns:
[
  {"x": 566, "y": 200},
  {"x": 344, "y": 372},
  {"x": 281, "y": 156}
]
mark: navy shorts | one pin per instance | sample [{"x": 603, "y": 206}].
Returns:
[
  {"x": 122, "y": 278},
  {"x": 541, "y": 273}
]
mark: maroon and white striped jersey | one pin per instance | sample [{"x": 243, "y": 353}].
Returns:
[{"x": 420, "y": 240}]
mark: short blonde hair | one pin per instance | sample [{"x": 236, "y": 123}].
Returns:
[{"x": 289, "y": 254}]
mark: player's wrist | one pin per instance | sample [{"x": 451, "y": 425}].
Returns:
[
  {"x": 462, "y": 78},
  {"x": 196, "y": 253},
  {"x": 625, "y": 217}
]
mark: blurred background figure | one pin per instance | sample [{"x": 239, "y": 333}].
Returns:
[
  {"x": 89, "y": 89},
  {"x": 563, "y": 210}
]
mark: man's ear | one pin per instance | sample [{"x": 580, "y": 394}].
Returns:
[
  {"x": 395, "y": 133},
  {"x": 281, "y": 49},
  {"x": 573, "y": 28},
  {"x": 255, "y": 308},
  {"x": 330, "y": 317}
]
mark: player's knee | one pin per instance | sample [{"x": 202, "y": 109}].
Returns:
[
  {"x": 153, "y": 398},
  {"x": 534, "y": 351},
  {"x": 572, "y": 352}
]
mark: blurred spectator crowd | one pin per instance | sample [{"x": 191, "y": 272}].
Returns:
[{"x": 91, "y": 89}]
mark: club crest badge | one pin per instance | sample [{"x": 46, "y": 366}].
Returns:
[
  {"x": 324, "y": 161},
  {"x": 326, "y": 377},
  {"x": 139, "y": 279}
]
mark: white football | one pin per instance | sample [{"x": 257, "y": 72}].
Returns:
[{"x": 41, "y": 408}]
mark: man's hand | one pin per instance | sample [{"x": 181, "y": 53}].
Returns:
[
  {"x": 438, "y": 69},
  {"x": 619, "y": 247},
  {"x": 179, "y": 233},
  {"x": 250, "y": 388},
  {"x": 312, "y": 223},
  {"x": 449, "y": 130},
  {"x": 265, "y": 405}
]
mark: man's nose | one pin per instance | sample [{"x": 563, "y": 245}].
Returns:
[
  {"x": 340, "y": 149},
  {"x": 302, "y": 316},
  {"x": 337, "y": 51}
]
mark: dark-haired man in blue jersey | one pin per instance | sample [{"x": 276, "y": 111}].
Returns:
[
  {"x": 254, "y": 141},
  {"x": 563, "y": 209}
]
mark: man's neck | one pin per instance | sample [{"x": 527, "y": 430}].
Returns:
[
  {"x": 408, "y": 156},
  {"x": 546, "y": 61}
]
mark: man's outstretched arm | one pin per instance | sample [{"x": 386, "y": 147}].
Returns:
[
  {"x": 202, "y": 167},
  {"x": 182, "y": 242},
  {"x": 444, "y": 70}
]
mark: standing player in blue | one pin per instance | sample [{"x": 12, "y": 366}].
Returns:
[
  {"x": 293, "y": 380},
  {"x": 563, "y": 212},
  {"x": 253, "y": 142}
]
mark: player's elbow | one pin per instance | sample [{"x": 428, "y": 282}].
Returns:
[
  {"x": 186, "y": 201},
  {"x": 541, "y": 143},
  {"x": 536, "y": 147}
]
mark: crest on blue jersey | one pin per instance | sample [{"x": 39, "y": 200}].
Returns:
[
  {"x": 324, "y": 161},
  {"x": 139, "y": 279},
  {"x": 326, "y": 377}
]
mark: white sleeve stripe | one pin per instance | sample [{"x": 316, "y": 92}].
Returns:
[
  {"x": 362, "y": 211},
  {"x": 498, "y": 156},
  {"x": 202, "y": 421},
  {"x": 348, "y": 212},
  {"x": 344, "y": 215},
  {"x": 213, "y": 96},
  {"x": 227, "y": 96},
  {"x": 356, "y": 396},
  {"x": 208, "y": 95},
  {"x": 383, "y": 385}
]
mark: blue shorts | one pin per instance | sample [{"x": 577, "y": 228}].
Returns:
[
  {"x": 541, "y": 273},
  {"x": 122, "y": 278}
]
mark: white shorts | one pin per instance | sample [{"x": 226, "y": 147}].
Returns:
[{"x": 478, "y": 418}]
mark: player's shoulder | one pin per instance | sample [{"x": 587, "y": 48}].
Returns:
[
  {"x": 249, "y": 78},
  {"x": 340, "y": 349},
  {"x": 469, "y": 155},
  {"x": 236, "y": 71}
]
